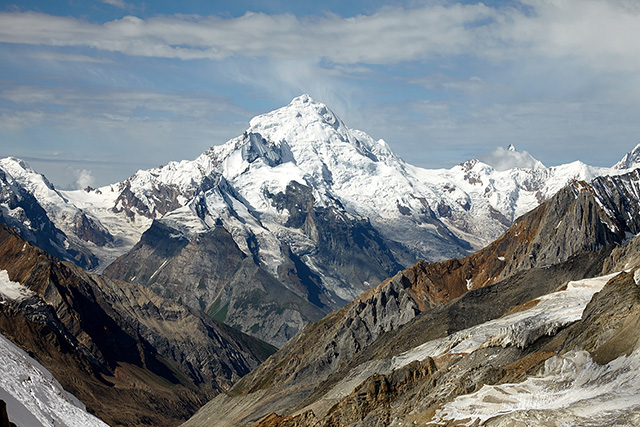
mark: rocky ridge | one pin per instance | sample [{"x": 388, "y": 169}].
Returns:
[
  {"x": 133, "y": 357},
  {"x": 567, "y": 238}
]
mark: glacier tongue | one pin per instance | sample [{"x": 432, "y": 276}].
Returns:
[
  {"x": 572, "y": 390},
  {"x": 550, "y": 313}
]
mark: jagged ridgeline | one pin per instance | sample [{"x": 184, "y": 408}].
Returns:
[
  {"x": 276, "y": 228},
  {"x": 409, "y": 350}
]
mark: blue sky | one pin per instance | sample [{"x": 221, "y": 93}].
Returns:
[{"x": 92, "y": 91}]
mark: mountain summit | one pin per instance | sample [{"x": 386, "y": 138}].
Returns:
[{"x": 630, "y": 160}]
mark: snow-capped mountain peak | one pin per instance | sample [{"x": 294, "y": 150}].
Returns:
[
  {"x": 631, "y": 160},
  {"x": 311, "y": 127},
  {"x": 24, "y": 174}
]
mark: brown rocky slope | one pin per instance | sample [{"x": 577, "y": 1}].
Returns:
[{"x": 133, "y": 357}]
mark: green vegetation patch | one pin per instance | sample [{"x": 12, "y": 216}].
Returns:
[{"x": 218, "y": 312}]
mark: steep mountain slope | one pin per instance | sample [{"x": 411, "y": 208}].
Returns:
[
  {"x": 133, "y": 357},
  {"x": 568, "y": 237},
  {"x": 567, "y": 358}
]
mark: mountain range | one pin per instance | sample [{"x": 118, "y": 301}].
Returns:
[
  {"x": 397, "y": 295},
  {"x": 291, "y": 220}
]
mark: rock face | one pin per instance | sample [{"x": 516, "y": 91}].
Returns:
[
  {"x": 4, "y": 418},
  {"x": 133, "y": 357},
  {"x": 569, "y": 237},
  {"x": 212, "y": 274}
]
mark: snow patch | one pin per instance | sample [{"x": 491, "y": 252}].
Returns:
[
  {"x": 13, "y": 290},
  {"x": 636, "y": 277}
]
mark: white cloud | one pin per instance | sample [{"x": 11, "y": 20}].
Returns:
[
  {"x": 84, "y": 178},
  {"x": 502, "y": 159},
  {"x": 56, "y": 56},
  {"x": 117, "y": 3},
  {"x": 596, "y": 33}
]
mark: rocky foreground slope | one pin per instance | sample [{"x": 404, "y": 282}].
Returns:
[
  {"x": 132, "y": 357},
  {"x": 342, "y": 368}
]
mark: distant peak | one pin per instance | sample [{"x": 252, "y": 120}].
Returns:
[
  {"x": 302, "y": 99},
  {"x": 511, "y": 148},
  {"x": 630, "y": 160}
]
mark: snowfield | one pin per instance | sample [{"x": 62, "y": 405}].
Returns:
[{"x": 12, "y": 290}]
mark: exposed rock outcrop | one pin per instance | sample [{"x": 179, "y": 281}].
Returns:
[{"x": 4, "y": 418}]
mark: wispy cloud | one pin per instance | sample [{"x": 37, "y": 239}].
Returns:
[
  {"x": 586, "y": 31},
  {"x": 503, "y": 159},
  {"x": 118, "y": 3},
  {"x": 67, "y": 57},
  {"x": 84, "y": 178},
  {"x": 120, "y": 127}
]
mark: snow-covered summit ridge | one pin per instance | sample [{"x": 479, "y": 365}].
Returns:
[
  {"x": 20, "y": 173},
  {"x": 308, "y": 143},
  {"x": 311, "y": 125}
]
